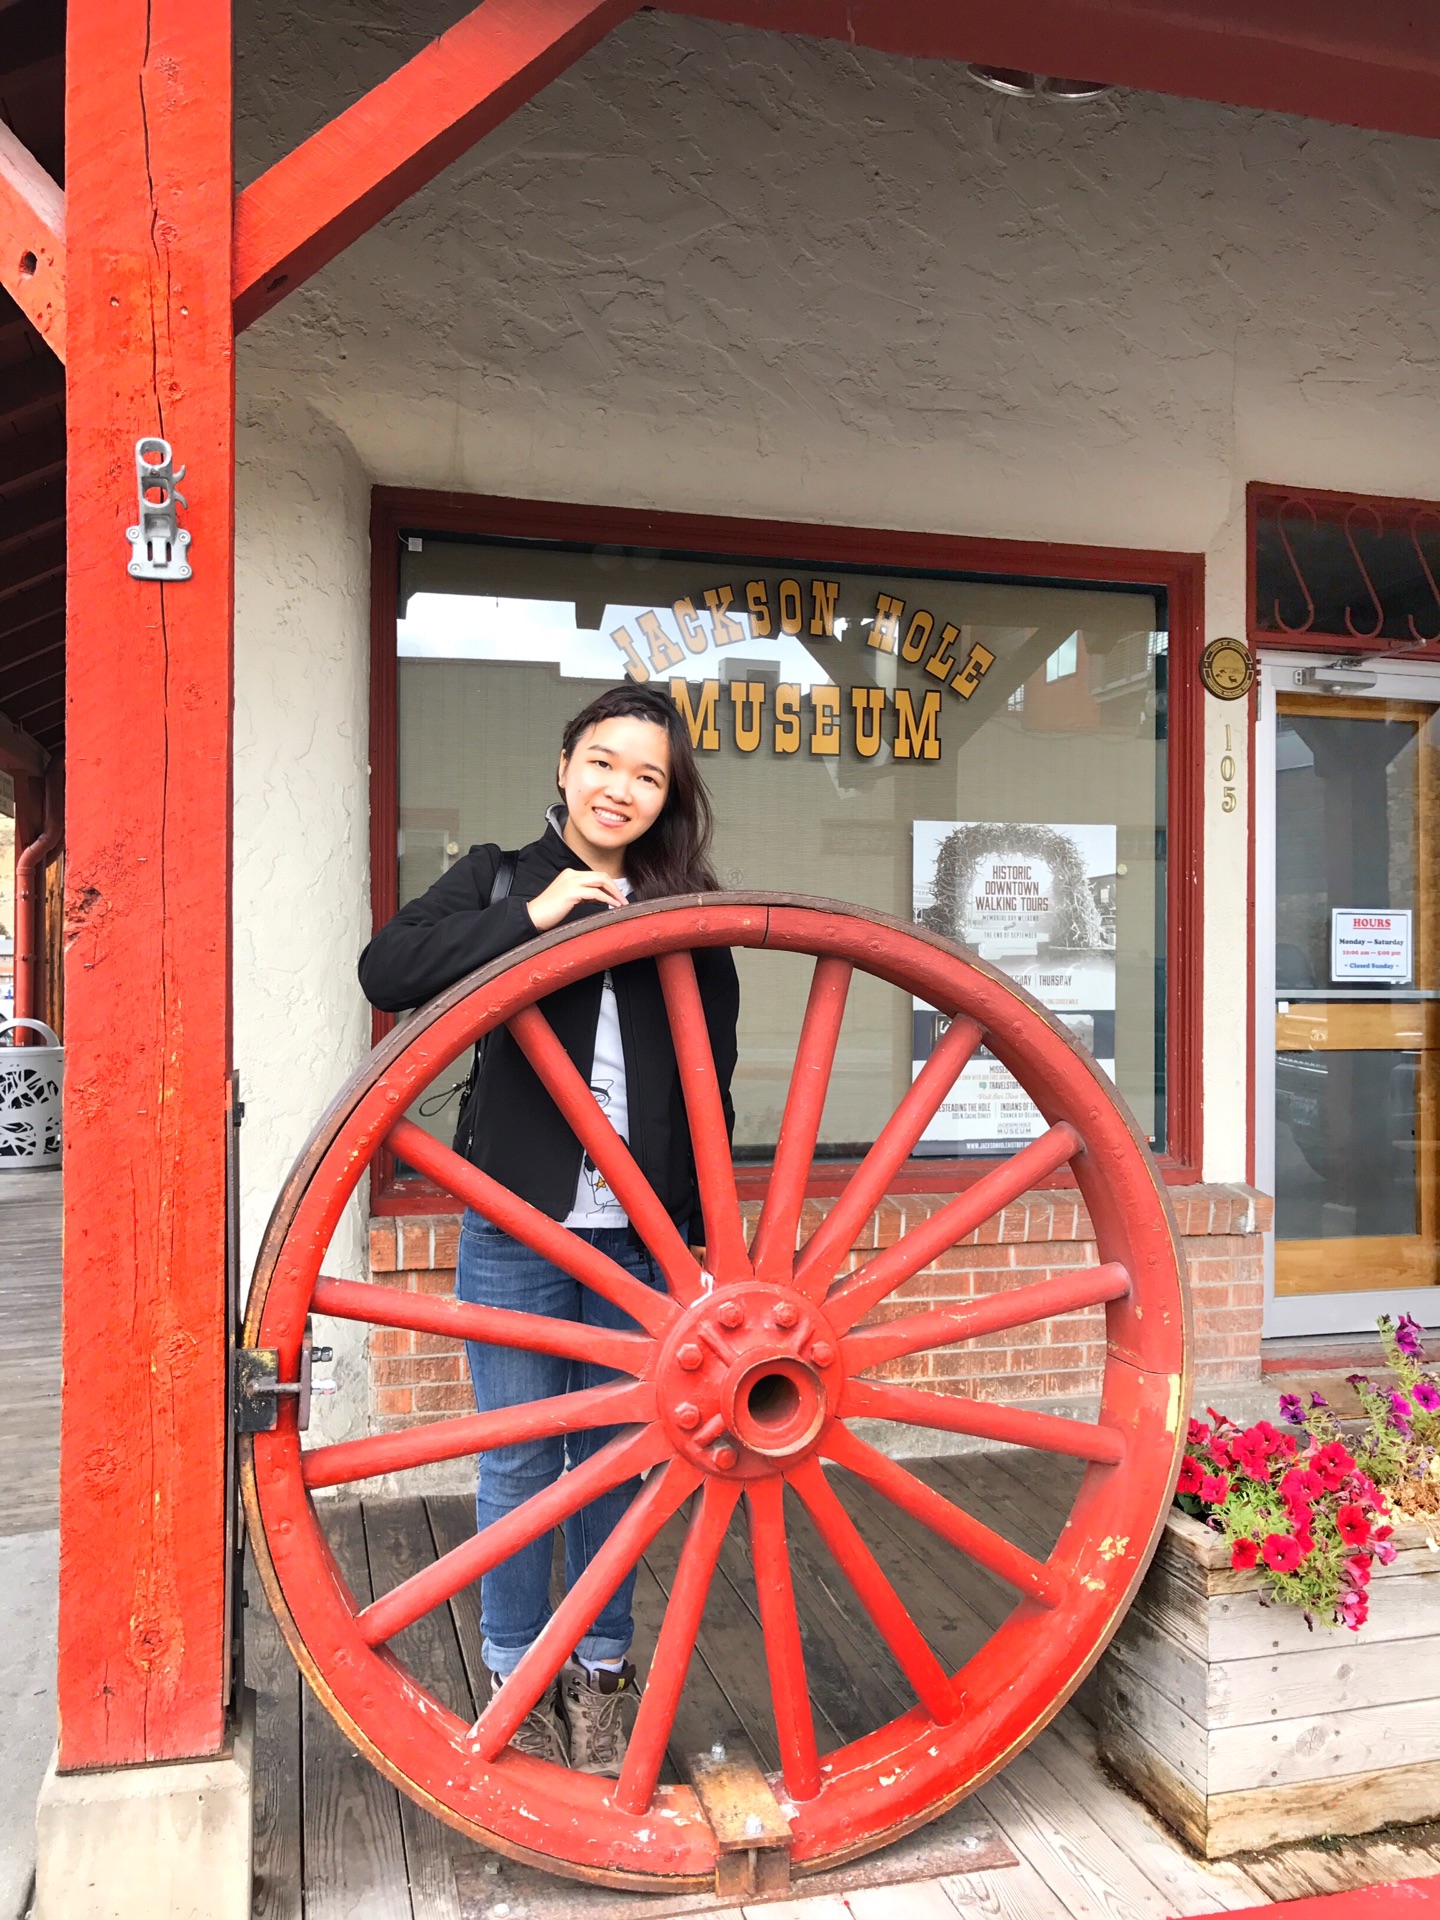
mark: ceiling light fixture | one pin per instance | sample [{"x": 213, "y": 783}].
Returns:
[{"x": 1020, "y": 85}]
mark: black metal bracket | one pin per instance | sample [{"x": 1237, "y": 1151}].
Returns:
[{"x": 258, "y": 1386}]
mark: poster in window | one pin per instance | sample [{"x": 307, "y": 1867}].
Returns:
[{"x": 1038, "y": 902}]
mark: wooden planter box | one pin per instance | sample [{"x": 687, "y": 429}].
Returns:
[{"x": 1242, "y": 1728}]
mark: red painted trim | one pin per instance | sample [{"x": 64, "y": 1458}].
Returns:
[
  {"x": 143, "y": 1574},
  {"x": 1332, "y": 506},
  {"x": 340, "y": 182},
  {"x": 1252, "y": 1011},
  {"x": 1361, "y": 67},
  {"x": 32, "y": 240},
  {"x": 1181, "y": 575}
]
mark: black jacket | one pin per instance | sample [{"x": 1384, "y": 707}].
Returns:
[{"x": 519, "y": 1136}]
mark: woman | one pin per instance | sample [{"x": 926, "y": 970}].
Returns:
[{"x": 635, "y": 824}]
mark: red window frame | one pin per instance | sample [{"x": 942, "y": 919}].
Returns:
[{"x": 395, "y": 511}]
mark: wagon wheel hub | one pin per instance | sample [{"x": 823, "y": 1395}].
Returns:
[
  {"x": 744, "y": 1398},
  {"x": 748, "y": 1381}
]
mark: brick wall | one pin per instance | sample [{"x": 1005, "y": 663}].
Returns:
[{"x": 420, "y": 1376}]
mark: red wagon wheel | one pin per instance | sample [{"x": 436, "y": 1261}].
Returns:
[{"x": 739, "y": 1383}]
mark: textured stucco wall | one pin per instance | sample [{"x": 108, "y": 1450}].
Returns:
[
  {"x": 302, "y": 850},
  {"x": 722, "y": 271}
]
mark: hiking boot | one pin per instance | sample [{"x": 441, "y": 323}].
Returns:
[
  {"x": 542, "y": 1732},
  {"x": 596, "y": 1707}
]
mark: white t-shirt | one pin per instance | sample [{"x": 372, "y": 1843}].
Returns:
[{"x": 595, "y": 1204}]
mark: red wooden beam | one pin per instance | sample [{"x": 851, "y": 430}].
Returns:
[
  {"x": 1371, "y": 66},
  {"x": 336, "y": 185},
  {"x": 32, "y": 240},
  {"x": 151, "y": 351}
]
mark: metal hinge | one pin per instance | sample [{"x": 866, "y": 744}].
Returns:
[
  {"x": 258, "y": 1386},
  {"x": 158, "y": 545}
]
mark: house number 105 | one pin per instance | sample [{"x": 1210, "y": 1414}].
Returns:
[{"x": 1229, "y": 799}]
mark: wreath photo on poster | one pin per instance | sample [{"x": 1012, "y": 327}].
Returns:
[{"x": 1038, "y": 902}]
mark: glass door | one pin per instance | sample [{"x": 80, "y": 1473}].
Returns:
[{"x": 1355, "y": 1042}]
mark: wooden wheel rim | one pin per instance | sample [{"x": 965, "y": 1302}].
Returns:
[{"x": 916, "y": 1766}]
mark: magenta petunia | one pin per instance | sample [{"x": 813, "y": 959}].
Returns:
[
  {"x": 1408, "y": 1336},
  {"x": 1426, "y": 1395}
]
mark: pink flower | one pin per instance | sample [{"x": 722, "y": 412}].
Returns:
[
  {"x": 1282, "y": 1552},
  {"x": 1426, "y": 1395},
  {"x": 1358, "y": 1568},
  {"x": 1384, "y": 1552},
  {"x": 1252, "y": 1458},
  {"x": 1199, "y": 1433},
  {"x": 1408, "y": 1336},
  {"x": 1214, "y": 1489},
  {"x": 1353, "y": 1609},
  {"x": 1244, "y": 1553}
]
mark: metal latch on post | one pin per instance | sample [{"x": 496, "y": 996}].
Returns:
[
  {"x": 752, "y": 1834},
  {"x": 158, "y": 545},
  {"x": 258, "y": 1386}
]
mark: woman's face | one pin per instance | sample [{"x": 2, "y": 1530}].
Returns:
[{"x": 616, "y": 780}]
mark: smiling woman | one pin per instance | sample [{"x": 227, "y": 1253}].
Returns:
[{"x": 633, "y": 823}]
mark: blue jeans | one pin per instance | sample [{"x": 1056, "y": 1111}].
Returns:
[{"x": 496, "y": 1271}]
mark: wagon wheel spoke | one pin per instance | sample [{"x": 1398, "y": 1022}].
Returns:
[
  {"x": 619, "y": 1460},
  {"x": 657, "y": 1501},
  {"x": 780, "y": 1627},
  {"x": 1022, "y": 1306},
  {"x": 773, "y": 1251},
  {"x": 906, "y": 1491},
  {"x": 533, "y": 1229},
  {"x": 966, "y": 1212},
  {"x": 675, "y": 1645},
  {"x": 562, "y": 1080},
  {"x": 956, "y": 1413},
  {"x": 835, "y": 1236},
  {"x": 491, "y": 1326},
  {"x": 725, "y": 1250},
  {"x": 913, "y": 1653},
  {"x": 623, "y": 1403}
]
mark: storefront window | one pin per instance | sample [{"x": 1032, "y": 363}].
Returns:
[{"x": 986, "y": 755}]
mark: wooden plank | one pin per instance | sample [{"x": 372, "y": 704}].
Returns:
[
  {"x": 1238, "y": 1627},
  {"x": 920, "y": 1900},
  {"x": 1017, "y": 1893},
  {"x": 32, "y": 240},
  {"x": 452, "y": 1523},
  {"x": 30, "y": 1351},
  {"x": 336, "y": 185},
  {"x": 269, "y": 1669},
  {"x": 1353, "y": 1674},
  {"x": 1063, "y": 1858},
  {"x": 150, "y": 350},
  {"x": 1067, "y": 1750},
  {"x": 1339, "y": 1868},
  {"x": 399, "y": 1543},
  {"x": 1081, "y": 1833},
  {"x": 1325, "y": 1746},
  {"x": 1142, "y": 1650},
  {"x": 354, "y": 1846},
  {"x": 1127, "y": 1699}
]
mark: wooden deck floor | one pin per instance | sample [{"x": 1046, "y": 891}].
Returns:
[
  {"x": 29, "y": 1351},
  {"x": 335, "y": 1840}
]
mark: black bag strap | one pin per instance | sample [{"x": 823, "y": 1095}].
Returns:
[
  {"x": 465, "y": 1130},
  {"x": 504, "y": 877}
]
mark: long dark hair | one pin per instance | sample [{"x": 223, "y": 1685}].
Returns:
[{"x": 672, "y": 856}]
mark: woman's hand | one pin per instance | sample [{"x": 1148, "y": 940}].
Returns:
[{"x": 566, "y": 891}]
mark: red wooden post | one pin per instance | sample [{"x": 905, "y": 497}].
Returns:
[{"x": 150, "y": 351}]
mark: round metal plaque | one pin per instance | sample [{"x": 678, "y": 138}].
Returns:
[{"x": 1227, "y": 669}]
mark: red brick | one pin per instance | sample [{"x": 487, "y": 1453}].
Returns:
[
  {"x": 386, "y": 1341},
  {"x": 382, "y": 1249},
  {"x": 447, "y": 1244},
  {"x": 415, "y": 1244},
  {"x": 394, "y": 1400},
  {"x": 449, "y": 1399}
]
